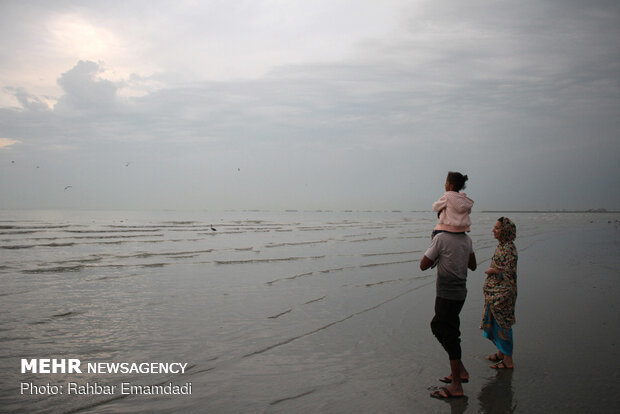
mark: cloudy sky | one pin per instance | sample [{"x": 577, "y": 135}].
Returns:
[{"x": 323, "y": 104}]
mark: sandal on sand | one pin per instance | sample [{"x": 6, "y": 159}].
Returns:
[
  {"x": 500, "y": 365},
  {"x": 445, "y": 395},
  {"x": 448, "y": 380},
  {"x": 493, "y": 358}
]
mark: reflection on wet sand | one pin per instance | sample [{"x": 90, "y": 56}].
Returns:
[
  {"x": 497, "y": 395},
  {"x": 457, "y": 405}
]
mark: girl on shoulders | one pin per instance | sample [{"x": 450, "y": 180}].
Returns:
[{"x": 453, "y": 207}]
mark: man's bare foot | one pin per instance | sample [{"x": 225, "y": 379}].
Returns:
[
  {"x": 444, "y": 393},
  {"x": 455, "y": 390}
]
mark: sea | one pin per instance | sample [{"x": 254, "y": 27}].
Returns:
[{"x": 270, "y": 311}]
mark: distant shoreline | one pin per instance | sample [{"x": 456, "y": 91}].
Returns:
[{"x": 602, "y": 211}]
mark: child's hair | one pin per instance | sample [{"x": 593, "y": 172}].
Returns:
[{"x": 457, "y": 180}]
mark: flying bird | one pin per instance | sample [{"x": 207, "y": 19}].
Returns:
[
  {"x": 68, "y": 187},
  {"x": 127, "y": 163}
]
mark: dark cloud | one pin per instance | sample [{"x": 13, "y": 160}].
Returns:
[
  {"x": 523, "y": 97},
  {"x": 28, "y": 101},
  {"x": 84, "y": 91}
]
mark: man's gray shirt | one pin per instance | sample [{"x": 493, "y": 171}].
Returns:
[{"x": 452, "y": 251}]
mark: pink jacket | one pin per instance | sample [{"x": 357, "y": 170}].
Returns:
[{"x": 455, "y": 209}]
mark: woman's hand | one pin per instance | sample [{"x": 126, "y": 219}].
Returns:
[{"x": 491, "y": 271}]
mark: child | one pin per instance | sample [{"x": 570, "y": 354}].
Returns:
[{"x": 453, "y": 207}]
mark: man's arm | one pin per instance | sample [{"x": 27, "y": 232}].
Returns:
[
  {"x": 472, "y": 262},
  {"x": 426, "y": 263}
]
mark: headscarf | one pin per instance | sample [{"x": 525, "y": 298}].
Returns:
[{"x": 508, "y": 230}]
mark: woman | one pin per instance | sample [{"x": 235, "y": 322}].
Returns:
[{"x": 500, "y": 294}]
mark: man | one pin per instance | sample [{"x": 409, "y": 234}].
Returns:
[{"x": 453, "y": 254}]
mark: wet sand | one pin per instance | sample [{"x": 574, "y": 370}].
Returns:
[
  {"x": 386, "y": 359},
  {"x": 566, "y": 351},
  {"x": 346, "y": 340},
  {"x": 567, "y": 336}
]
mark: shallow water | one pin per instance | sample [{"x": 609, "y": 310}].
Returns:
[{"x": 272, "y": 311}]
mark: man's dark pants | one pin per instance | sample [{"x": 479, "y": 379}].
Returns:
[{"x": 445, "y": 325}]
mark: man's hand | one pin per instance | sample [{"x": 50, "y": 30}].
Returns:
[
  {"x": 472, "y": 265},
  {"x": 425, "y": 263}
]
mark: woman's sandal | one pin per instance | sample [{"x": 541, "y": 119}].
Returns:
[
  {"x": 500, "y": 365},
  {"x": 494, "y": 358}
]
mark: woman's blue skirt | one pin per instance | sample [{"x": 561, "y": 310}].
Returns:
[{"x": 502, "y": 338}]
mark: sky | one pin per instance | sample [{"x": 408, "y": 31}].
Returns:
[{"x": 326, "y": 104}]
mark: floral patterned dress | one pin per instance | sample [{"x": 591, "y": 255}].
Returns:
[{"x": 500, "y": 291}]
